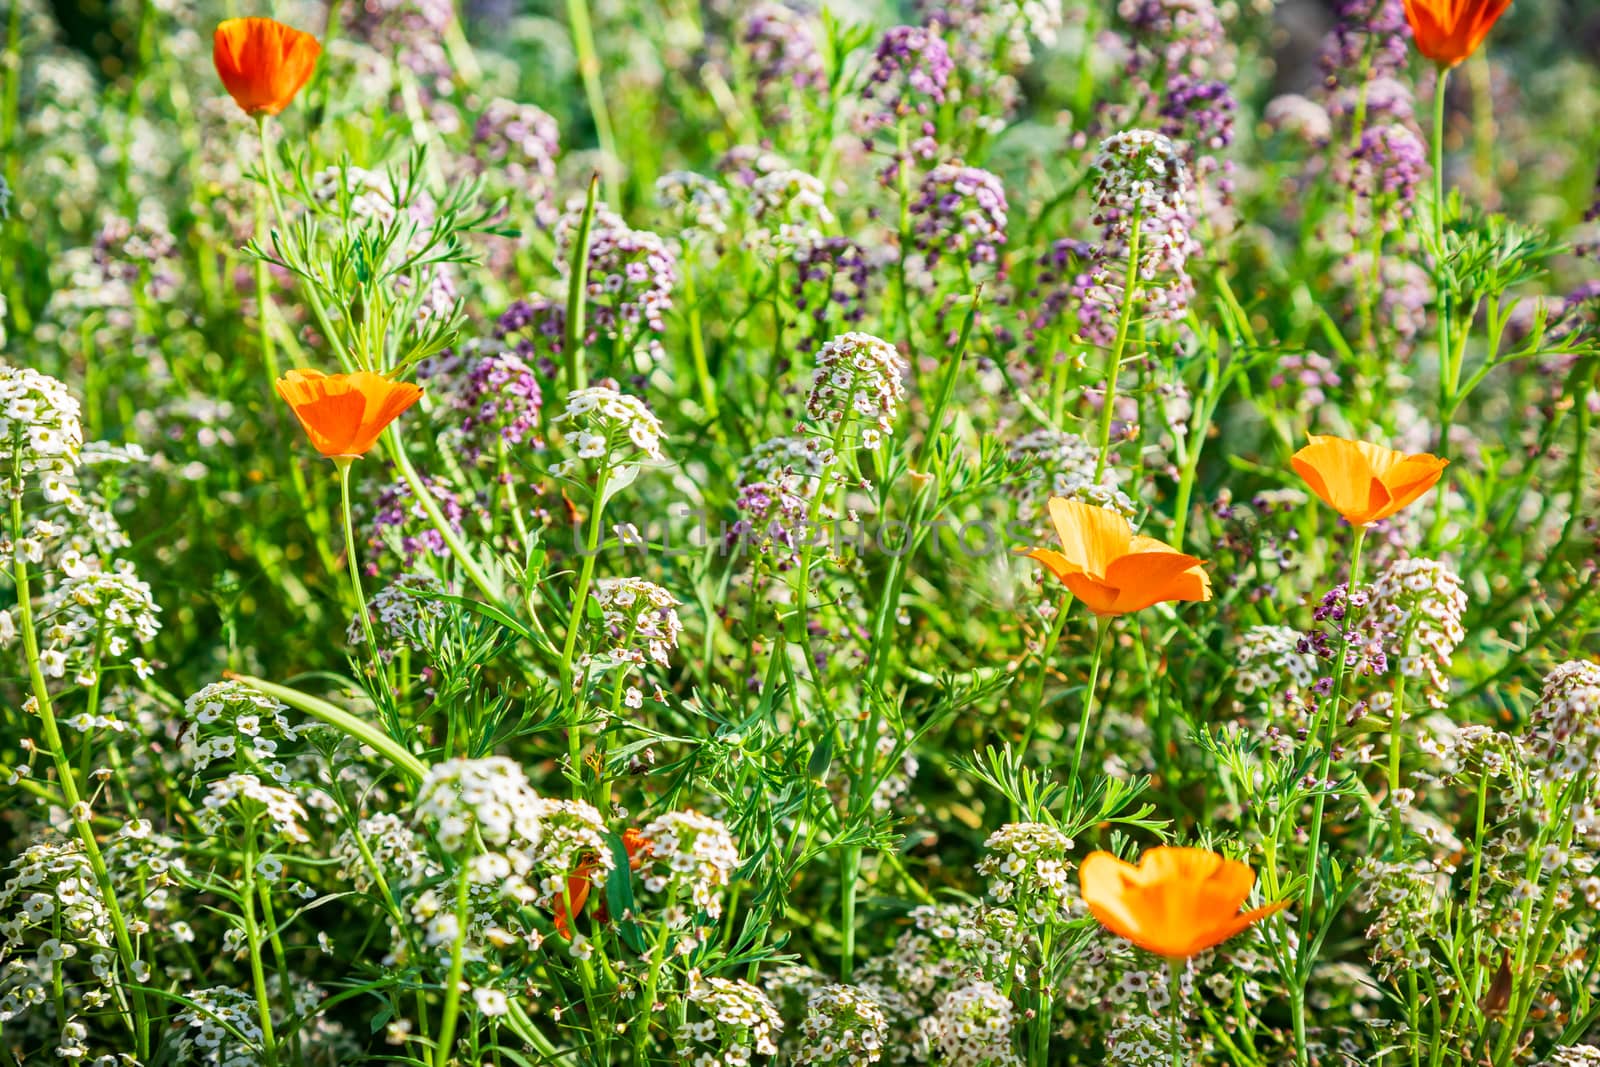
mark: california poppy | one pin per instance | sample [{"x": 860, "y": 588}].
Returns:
[
  {"x": 577, "y": 895},
  {"x": 1448, "y": 31},
  {"x": 263, "y": 63},
  {"x": 1112, "y": 569},
  {"x": 1176, "y": 903},
  {"x": 1365, "y": 482},
  {"x": 343, "y": 414}
]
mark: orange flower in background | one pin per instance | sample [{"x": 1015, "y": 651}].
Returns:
[
  {"x": 343, "y": 414},
  {"x": 1448, "y": 31},
  {"x": 1113, "y": 570},
  {"x": 638, "y": 847},
  {"x": 1365, "y": 482},
  {"x": 1176, "y": 903},
  {"x": 263, "y": 63}
]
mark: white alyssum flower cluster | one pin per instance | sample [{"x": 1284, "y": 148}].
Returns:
[
  {"x": 223, "y": 1029},
  {"x": 691, "y": 858},
  {"x": 397, "y": 853},
  {"x": 245, "y": 797},
  {"x": 404, "y": 611},
  {"x": 489, "y": 798},
  {"x": 1056, "y": 463},
  {"x": 700, "y": 204},
  {"x": 96, "y": 616},
  {"x": 1027, "y": 863},
  {"x": 739, "y": 1023},
  {"x": 227, "y": 720},
  {"x": 51, "y": 911},
  {"x": 1141, "y": 179},
  {"x": 41, "y": 432},
  {"x": 610, "y": 426},
  {"x": 574, "y": 840},
  {"x": 859, "y": 380},
  {"x": 1564, "y": 728},
  {"x": 1272, "y": 669},
  {"x": 1420, "y": 603},
  {"x": 790, "y": 208},
  {"x": 485, "y": 814},
  {"x": 370, "y": 195},
  {"x": 974, "y": 1026},
  {"x": 641, "y": 620},
  {"x": 843, "y": 1025}
]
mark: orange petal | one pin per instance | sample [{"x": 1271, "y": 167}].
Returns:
[
  {"x": 1105, "y": 883},
  {"x": 1153, "y": 577},
  {"x": 385, "y": 401},
  {"x": 1409, "y": 479},
  {"x": 1237, "y": 925},
  {"x": 1091, "y": 537},
  {"x": 577, "y": 895},
  {"x": 1098, "y": 596},
  {"x": 1057, "y": 564},
  {"x": 1448, "y": 31},
  {"x": 263, "y": 63},
  {"x": 1175, "y": 903},
  {"x": 343, "y": 414},
  {"x": 1342, "y": 474}
]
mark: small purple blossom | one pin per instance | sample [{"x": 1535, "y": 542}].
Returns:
[
  {"x": 831, "y": 285},
  {"x": 780, "y": 45},
  {"x": 535, "y": 329},
  {"x": 1369, "y": 39},
  {"x": 1387, "y": 167},
  {"x": 397, "y": 514},
  {"x": 960, "y": 211},
  {"x": 1200, "y": 111},
  {"x": 910, "y": 77},
  {"x": 518, "y": 145},
  {"x": 631, "y": 277},
  {"x": 493, "y": 393}
]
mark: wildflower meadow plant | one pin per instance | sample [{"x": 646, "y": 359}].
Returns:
[{"x": 966, "y": 532}]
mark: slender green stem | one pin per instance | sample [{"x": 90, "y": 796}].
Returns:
[
  {"x": 578, "y": 287},
  {"x": 77, "y": 810},
  {"x": 580, "y": 607},
  {"x": 582, "y": 28},
  {"x": 697, "y": 344},
  {"x": 1396, "y": 746},
  {"x": 1328, "y": 718},
  {"x": 270, "y": 179},
  {"x": 252, "y": 937},
  {"x": 344, "y": 463},
  {"x": 652, "y": 981},
  {"x": 269, "y": 353},
  {"x": 849, "y": 875},
  {"x": 1102, "y": 625},
  {"x": 1039, "y": 1027},
  {"x": 1130, "y": 288},
  {"x": 903, "y": 188},
  {"x": 1175, "y": 979},
  {"x": 1441, "y": 284},
  {"x": 452, "y": 988}
]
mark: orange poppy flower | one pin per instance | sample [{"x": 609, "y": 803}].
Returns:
[
  {"x": 263, "y": 63},
  {"x": 1176, "y": 903},
  {"x": 1448, "y": 31},
  {"x": 638, "y": 847},
  {"x": 1112, "y": 569},
  {"x": 1365, "y": 482},
  {"x": 343, "y": 414}
]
